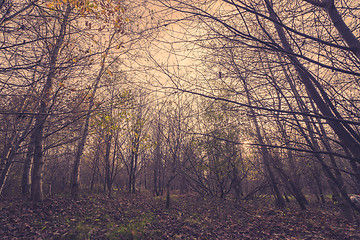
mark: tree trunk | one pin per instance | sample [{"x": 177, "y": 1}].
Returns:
[
  {"x": 279, "y": 200},
  {"x": 74, "y": 187},
  {"x": 134, "y": 172},
  {"x": 167, "y": 202},
  {"x": 36, "y": 179},
  {"x": 131, "y": 173},
  {"x": 5, "y": 174},
  {"x": 157, "y": 161},
  {"x": 25, "y": 183},
  {"x": 137, "y": 128},
  {"x": 266, "y": 157},
  {"x": 9, "y": 155},
  {"x": 107, "y": 164},
  {"x": 95, "y": 168},
  {"x": 350, "y": 39},
  {"x": 344, "y": 132}
]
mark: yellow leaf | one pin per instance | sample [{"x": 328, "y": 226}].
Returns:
[
  {"x": 109, "y": 72},
  {"x": 127, "y": 19}
]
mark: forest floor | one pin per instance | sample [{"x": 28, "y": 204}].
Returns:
[{"x": 142, "y": 216}]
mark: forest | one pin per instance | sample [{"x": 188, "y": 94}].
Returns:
[{"x": 179, "y": 119}]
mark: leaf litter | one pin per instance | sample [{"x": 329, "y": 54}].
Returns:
[{"x": 142, "y": 216}]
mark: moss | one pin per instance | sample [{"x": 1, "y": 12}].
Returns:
[
  {"x": 134, "y": 229},
  {"x": 81, "y": 231}
]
